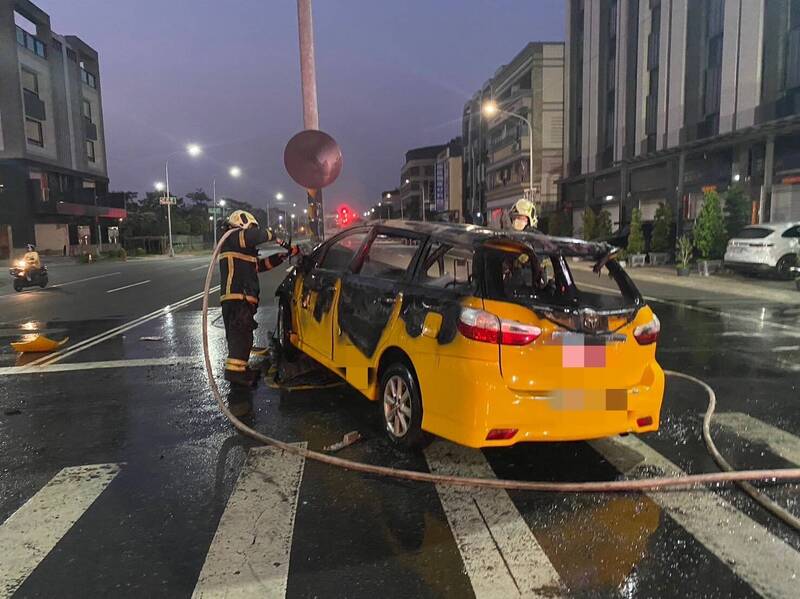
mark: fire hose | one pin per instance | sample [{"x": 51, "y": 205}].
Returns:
[{"x": 743, "y": 478}]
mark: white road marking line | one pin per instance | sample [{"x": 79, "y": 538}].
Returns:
[
  {"x": 132, "y": 363},
  {"x": 501, "y": 556},
  {"x": 203, "y": 266},
  {"x": 249, "y": 555},
  {"x": 92, "y": 341},
  {"x": 111, "y": 274},
  {"x": 731, "y": 315},
  {"x": 780, "y": 442},
  {"x": 128, "y": 286},
  {"x": 25, "y": 292},
  {"x": 765, "y": 562},
  {"x": 33, "y": 530},
  {"x": 782, "y": 348}
]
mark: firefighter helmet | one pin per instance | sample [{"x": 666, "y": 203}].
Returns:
[
  {"x": 523, "y": 208},
  {"x": 242, "y": 219}
]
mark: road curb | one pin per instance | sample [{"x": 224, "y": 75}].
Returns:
[{"x": 712, "y": 283}]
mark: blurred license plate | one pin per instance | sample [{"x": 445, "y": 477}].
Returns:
[{"x": 589, "y": 399}]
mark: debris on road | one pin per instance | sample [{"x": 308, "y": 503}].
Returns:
[{"x": 347, "y": 440}]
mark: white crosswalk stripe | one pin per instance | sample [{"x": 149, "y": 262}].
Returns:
[
  {"x": 765, "y": 562},
  {"x": 249, "y": 555},
  {"x": 500, "y": 553},
  {"x": 33, "y": 530},
  {"x": 780, "y": 442}
]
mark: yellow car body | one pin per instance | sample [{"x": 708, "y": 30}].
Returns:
[{"x": 476, "y": 389}]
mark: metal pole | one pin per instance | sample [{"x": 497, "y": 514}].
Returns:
[
  {"x": 214, "y": 206},
  {"x": 169, "y": 209},
  {"x": 269, "y": 226},
  {"x": 423, "y": 184},
  {"x": 308, "y": 79}
]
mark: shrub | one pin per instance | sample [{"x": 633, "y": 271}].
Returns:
[
  {"x": 559, "y": 224},
  {"x": 603, "y": 225},
  {"x": 683, "y": 250},
  {"x": 737, "y": 210},
  {"x": 589, "y": 224},
  {"x": 662, "y": 229},
  {"x": 709, "y": 229},
  {"x": 140, "y": 252},
  {"x": 636, "y": 237}
]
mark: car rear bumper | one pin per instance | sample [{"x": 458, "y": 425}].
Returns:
[
  {"x": 484, "y": 403},
  {"x": 748, "y": 266}
]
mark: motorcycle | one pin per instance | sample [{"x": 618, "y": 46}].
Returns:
[{"x": 24, "y": 276}]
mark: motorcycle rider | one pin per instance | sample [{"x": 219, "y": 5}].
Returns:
[
  {"x": 523, "y": 215},
  {"x": 31, "y": 260},
  {"x": 239, "y": 266}
]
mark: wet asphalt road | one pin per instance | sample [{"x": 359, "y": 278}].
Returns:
[{"x": 150, "y": 529}]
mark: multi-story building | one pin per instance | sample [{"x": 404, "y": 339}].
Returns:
[
  {"x": 53, "y": 173},
  {"x": 497, "y": 148},
  {"x": 416, "y": 182},
  {"x": 669, "y": 98},
  {"x": 448, "y": 181}
]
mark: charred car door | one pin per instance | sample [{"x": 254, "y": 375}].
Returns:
[
  {"x": 318, "y": 292},
  {"x": 370, "y": 293}
]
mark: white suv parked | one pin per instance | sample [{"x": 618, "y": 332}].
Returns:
[{"x": 767, "y": 247}]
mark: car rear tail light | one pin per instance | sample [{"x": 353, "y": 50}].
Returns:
[
  {"x": 646, "y": 421},
  {"x": 501, "y": 434},
  {"x": 648, "y": 333},
  {"x": 483, "y": 326}
]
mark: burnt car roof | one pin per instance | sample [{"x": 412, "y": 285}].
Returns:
[{"x": 474, "y": 235}]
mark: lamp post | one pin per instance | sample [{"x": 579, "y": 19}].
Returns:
[
  {"x": 234, "y": 172},
  {"x": 278, "y": 197},
  {"x": 193, "y": 150},
  {"x": 490, "y": 109}
]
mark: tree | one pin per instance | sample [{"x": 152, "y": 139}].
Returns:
[
  {"x": 589, "y": 224},
  {"x": 603, "y": 225},
  {"x": 558, "y": 224},
  {"x": 636, "y": 237},
  {"x": 709, "y": 228},
  {"x": 661, "y": 241},
  {"x": 737, "y": 209}
]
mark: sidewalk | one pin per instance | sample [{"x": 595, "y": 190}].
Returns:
[{"x": 730, "y": 284}]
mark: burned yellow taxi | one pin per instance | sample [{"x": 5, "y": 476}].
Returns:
[{"x": 479, "y": 336}]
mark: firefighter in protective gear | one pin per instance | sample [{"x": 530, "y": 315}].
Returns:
[
  {"x": 239, "y": 266},
  {"x": 523, "y": 215}
]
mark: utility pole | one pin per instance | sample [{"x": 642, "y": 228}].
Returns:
[{"x": 308, "y": 80}]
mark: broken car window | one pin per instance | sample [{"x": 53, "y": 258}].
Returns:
[
  {"x": 389, "y": 257},
  {"x": 447, "y": 267},
  {"x": 340, "y": 254}
]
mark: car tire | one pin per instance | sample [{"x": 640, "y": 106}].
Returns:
[
  {"x": 18, "y": 286},
  {"x": 283, "y": 330},
  {"x": 401, "y": 407},
  {"x": 784, "y": 265},
  {"x": 43, "y": 282}
]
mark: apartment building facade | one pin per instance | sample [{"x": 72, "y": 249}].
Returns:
[
  {"x": 666, "y": 99},
  {"x": 53, "y": 171},
  {"x": 417, "y": 182},
  {"x": 497, "y": 148}
]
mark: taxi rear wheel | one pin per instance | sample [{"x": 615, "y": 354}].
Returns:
[{"x": 401, "y": 409}]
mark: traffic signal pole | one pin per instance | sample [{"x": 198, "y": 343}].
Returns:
[{"x": 308, "y": 80}]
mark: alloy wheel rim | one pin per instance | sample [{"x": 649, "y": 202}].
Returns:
[{"x": 397, "y": 406}]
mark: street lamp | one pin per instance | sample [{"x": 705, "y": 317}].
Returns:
[
  {"x": 490, "y": 109},
  {"x": 234, "y": 172},
  {"x": 193, "y": 150},
  {"x": 278, "y": 197}
]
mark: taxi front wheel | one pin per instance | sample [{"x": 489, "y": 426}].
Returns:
[{"x": 402, "y": 407}]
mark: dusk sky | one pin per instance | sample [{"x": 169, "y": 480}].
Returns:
[{"x": 390, "y": 75}]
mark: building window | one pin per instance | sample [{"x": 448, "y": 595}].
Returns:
[
  {"x": 87, "y": 77},
  {"x": 87, "y": 110},
  {"x": 30, "y": 81},
  {"x": 33, "y": 132},
  {"x": 31, "y": 42},
  {"x": 90, "y": 151},
  {"x": 71, "y": 55}
]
